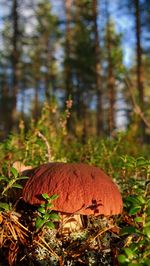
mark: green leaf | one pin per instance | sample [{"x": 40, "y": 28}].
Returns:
[
  {"x": 134, "y": 210},
  {"x": 50, "y": 225},
  {"x": 39, "y": 223},
  {"x": 138, "y": 219},
  {"x": 148, "y": 202},
  {"x": 49, "y": 205},
  {"x": 17, "y": 186},
  {"x": 14, "y": 172},
  {"x": 43, "y": 205},
  {"x": 54, "y": 216},
  {"x": 141, "y": 161},
  {"x": 53, "y": 197},
  {"x": 4, "y": 178},
  {"x": 41, "y": 210},
  {"x": 46, "y": 216},
  {"x": 4, "y": 206},
  {"x": 129, "y": 253},
  {"x": 45, "y": 196},
  {"x": 147, "y": 253},
  {"x": 141, "y": 199},
  {"x": 147, "y": 231},
  {"x": 122, "y": 258},
  {"x": 148, "y": 211},
  {"x": 128, "y": 230},
  {"x": 132, "y": 199},
  {"x": 147, "y": 224},
  {"x": 23, "y": 177}
]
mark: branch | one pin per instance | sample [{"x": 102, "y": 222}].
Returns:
[
  {"x": 137, "y": 108},
  {"x": 49, "y": 153}
]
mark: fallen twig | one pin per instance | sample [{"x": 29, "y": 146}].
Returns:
[{"x": 49, "y": 153}]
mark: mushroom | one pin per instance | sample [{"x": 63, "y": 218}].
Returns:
[{"x": 83, "y": 190}]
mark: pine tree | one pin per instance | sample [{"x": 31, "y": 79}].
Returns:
[
  {"x": 97, "y": 70},
  {"x": 113, "y": 62}
]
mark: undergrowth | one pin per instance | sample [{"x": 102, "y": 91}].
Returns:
[{"x": 48, "y": 141}]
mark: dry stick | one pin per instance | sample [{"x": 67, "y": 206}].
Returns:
[
  {"x": 90, "y": 239},
  {"x": 47, "y": 247},
  {"x": 40, "y": 135},
  {"x": 101, "y": 232},
  {"x": 11, "y": 229},
  {"x": 1, "y": 237},
  {"x": 13, "y": 218},
  {"x": 137, "y": 108},
  {"x": 26, "y": 229}
]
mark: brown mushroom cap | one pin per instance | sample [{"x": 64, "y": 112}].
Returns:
[{"x": 82, "y": 189}]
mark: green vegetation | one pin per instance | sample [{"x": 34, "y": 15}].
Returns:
[
  {"x": 73, "y": 74},
  {"x": 126, "y": 160},
  {"x": 46, "y": 216},
  {"x": 136, "y": 231}
]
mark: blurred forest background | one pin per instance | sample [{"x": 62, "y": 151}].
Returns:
[{"x": 94, "y": 54}]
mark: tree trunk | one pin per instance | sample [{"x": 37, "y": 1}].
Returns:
[
  {"x": 36, "y": 101},
  {"x": 97, "y": 71},
  {"x": 111, "y": 78},
  {"x": 49, "y": 77},
  {"x": 67, "y": 68},
  {"x": 47, "y": 74},
  {"x": 140, "y": 78},
  {"x": 111, "y": 84},
  {"x": 67, "y": 50},
  {"x": 5, "y": 110},
  {"x": 15, "y": 59}
]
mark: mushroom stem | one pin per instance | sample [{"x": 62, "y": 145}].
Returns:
[{"x": 70, "y": 223}]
